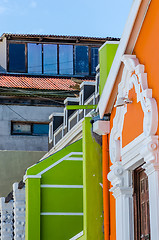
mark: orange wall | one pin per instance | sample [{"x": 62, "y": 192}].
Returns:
[
  {"x": 133, "y": 120},
  {"x": 147, "y": 48},
  {"x": 147, "y": 51}
]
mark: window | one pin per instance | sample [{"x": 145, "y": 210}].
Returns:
[
  {"x": 21, "y": 128},
  {"x": 66, "y": 59},
  {"x": 29, "y": 128},
  {"x": 81, "y": 60},
  {"x": 50, "y": 58},
  {"x": 34, "y": 58},
  {"x": 94, "y": 60},
  {"x": 40, "y": 129},
  {"x": 17, "y": 57}
]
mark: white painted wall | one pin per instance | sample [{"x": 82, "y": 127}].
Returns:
[
  {"x": 20, "y": 113},
  {"x": 3, "y": 54}
]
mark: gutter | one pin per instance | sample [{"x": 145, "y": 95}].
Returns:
[
  {"x": 106, "y": 197},
  {"x": 102, "y": 127}
]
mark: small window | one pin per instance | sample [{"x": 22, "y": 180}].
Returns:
[
  {"x": 34, "y": 58},
  {"x": 21, "y": 128},
  {"x": 81, "y": 60},
  {"x": 40, "y": 129},
  {"x": 66, "y": 59},
  {"x": 94, "y": 59},
  {"x": 50, "y": 58},
  {"x": 17, "y": 58},
  {"x": 29, "y": 128}
]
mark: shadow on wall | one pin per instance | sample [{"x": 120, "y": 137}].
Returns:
[
  {"x": 13, "y": 165},
  {"x": 2, "y": 70}
]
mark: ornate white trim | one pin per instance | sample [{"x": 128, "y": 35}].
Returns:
[
  {"x": 123, "y": 193},
  {"x": 133, "y": 75},
  {"x": 143, "y": 149}
]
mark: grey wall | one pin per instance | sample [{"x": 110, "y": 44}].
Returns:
[
  {"x": 13, "y": 165},
  {"x": 10, "y": 113}
]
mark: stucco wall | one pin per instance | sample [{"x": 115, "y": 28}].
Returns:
[
  {"x": 13, "y": 165},
  {"x": 106, "y": 55},
  {"x": 147, "y": 48},
  {"x": 10, "y": 113}
]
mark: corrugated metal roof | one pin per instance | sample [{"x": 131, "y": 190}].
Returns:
[
  {"x": 58, "y": 36},
  {"x": 38, "y": 82}
]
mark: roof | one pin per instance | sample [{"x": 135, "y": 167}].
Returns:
[
  {"x": 39, "y": 82},
  {"x": 126, "y": 45},
  {"x": 62, "y": 37}
]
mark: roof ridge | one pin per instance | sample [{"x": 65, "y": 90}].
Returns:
[{"x": 56, "y": 36}]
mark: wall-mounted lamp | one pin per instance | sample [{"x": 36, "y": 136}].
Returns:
[{"x": 122, "y": 101}]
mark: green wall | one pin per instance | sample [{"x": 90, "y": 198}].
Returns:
[
  {"x": 106, "y": 56},
  {"x": 61, "y": 207},
  {"x": 93, "y": 192},
  {"x": 33, "y": 208},
  {"x": 13, "y": 165},
  {"x": 43, "y": 223}
]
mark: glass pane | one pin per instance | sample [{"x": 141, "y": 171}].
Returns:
[
  {"x": 94, "y": 59},
  {"x": 34, "y": 58},
  {"x": 17, "y": 57},
  {"x": 65, "y": 59},
  {"x": 50, "y": 58},
  {"x": 40, "y": 129},
  {"x": 21, "y": 128},
  {"x": 81, "y": 60}
]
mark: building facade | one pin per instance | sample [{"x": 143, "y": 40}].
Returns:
[
  {"x": 131, "y": 96},
  {"x": 37, "y": 72}
]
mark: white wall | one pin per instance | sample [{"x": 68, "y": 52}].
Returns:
[
  {"x": 3, "y": 54},
  {"x": 20, "y": 113}
]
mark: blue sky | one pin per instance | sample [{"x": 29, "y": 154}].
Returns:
[{"x": 100, "y": 18}]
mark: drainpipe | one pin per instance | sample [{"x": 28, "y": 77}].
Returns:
[
  {"x": 102, "y": 127},
  {"x": 106, "y": 204}
]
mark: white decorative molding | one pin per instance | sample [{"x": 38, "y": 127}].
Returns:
[
  {"x": 123, "y": 193},
  {"x": 133, "y": 75},
  {"x": 143, "y": 149},
  {"x": 6, "y": 219},
  {"x": 150, "y": 153},
  {"x": 19, "y": 212}
]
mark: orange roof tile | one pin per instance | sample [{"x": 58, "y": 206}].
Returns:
[{"x": 36, "y": 82}]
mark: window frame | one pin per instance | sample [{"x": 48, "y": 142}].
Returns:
[
  {"x": 58, "y": 61},
  {"x": 28, "y": 123},
  {"x": 26, "y": 57}
]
